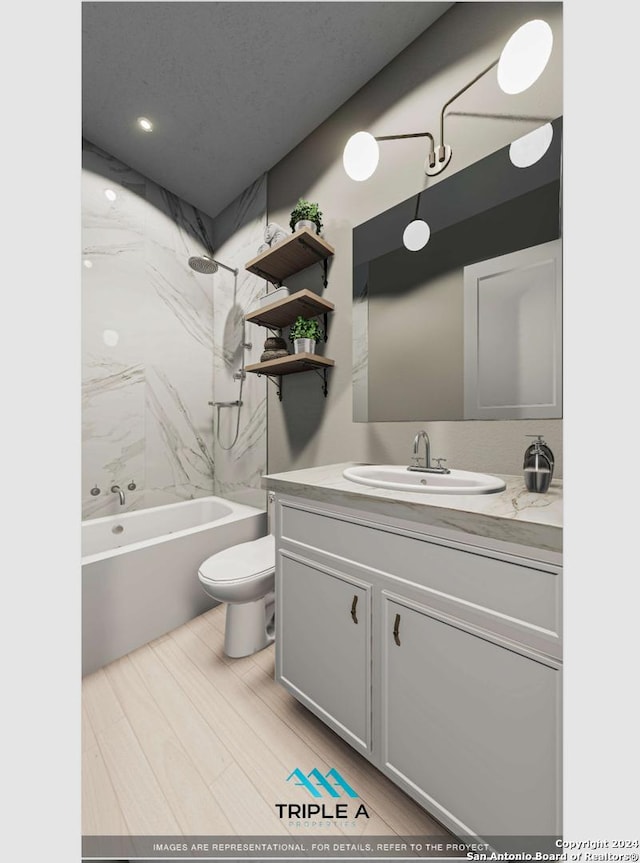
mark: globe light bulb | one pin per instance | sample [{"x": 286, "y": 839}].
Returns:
[
  {"x": 416, "y": 235},
  {"x": 360, "y": 156},
  {"x": 525, "y": 56},
  {"x": 530, "y": 148}
]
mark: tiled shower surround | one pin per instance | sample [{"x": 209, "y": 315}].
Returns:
[
  {"x": 148, "y": 356},
  {"x": 237, "y": 233}
]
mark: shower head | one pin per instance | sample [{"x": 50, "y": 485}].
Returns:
[
  {"x": 208, "y": 266},
  {"x": 203, "y": 264}
]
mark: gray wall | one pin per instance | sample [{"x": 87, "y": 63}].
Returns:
[{"x": 406, "y": 96}]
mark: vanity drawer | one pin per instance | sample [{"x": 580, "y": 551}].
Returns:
[{"x": 524, "y": 591}]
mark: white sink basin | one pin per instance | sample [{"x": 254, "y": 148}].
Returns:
[{"x": 399, "y": 478}]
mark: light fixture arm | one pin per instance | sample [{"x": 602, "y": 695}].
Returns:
[
  {"x": 431, "y": 159},
  {"x": 414, "y": 135},
  {"x": 459, "y": 93}
]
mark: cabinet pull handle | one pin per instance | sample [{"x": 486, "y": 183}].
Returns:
[
  {"x": 354, "y": 604},
  {"x": 396, "y": 630}
]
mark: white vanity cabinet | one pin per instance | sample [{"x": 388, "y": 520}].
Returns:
[
  {"x": 325, "y": 644},
  {"x": 435, "y": 653},
  {"x": 469, "y": 724}
]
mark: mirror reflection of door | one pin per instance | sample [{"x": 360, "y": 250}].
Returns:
[{"x": 513, "y": 335}]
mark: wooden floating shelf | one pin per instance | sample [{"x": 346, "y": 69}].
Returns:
[
  {"x": 284, "y": 312},
  {"x": 291, "y": 365},
  {"x": 296, "y": 253}
]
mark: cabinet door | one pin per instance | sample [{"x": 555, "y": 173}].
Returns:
[
  {"x": 323, "y": 644},
  {"x": 471, "y": 728}
]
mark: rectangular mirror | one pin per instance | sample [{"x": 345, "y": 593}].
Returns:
[{"x": 470, "y": 326}]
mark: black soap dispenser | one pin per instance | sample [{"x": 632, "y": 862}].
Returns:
[{"x": 538, "y": 465}]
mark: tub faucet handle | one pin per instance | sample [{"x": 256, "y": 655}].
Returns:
[
  {"x": 132, "y": 486},
  {"x": 95, "y": 491}
]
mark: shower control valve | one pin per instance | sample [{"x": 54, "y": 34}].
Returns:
[
  {"x": 95, "y": 491},
  {"x": 131, "y": 486}
]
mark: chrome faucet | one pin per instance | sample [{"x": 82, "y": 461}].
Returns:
[
  {"x": 415, "y": 458},
  {"x": 422, "y": 435},
  {"x": 117, "y": 490}
]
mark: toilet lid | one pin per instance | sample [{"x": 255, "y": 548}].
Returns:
[{"x": 241, "y": 561}]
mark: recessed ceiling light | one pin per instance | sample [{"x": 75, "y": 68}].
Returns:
[
  {"x": 110, "y": 195},
  {"x": 145, "y": 124},
  {"x": 88, "y": 264}
]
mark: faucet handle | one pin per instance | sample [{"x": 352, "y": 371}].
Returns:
[{"x": 439, "y": 462}]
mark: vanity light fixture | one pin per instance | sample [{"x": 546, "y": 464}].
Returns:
[
  {"x": 417, "y": 233},
  {"x": 530, "y": 148},
  {"x": 521, "y": 62},
  {"x": 145, "y": 124},
  {"x": 361, "y": 155},
  {"x": 525, "y": 56}
]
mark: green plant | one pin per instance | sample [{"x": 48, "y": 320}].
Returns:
[
  {"x": 306, "y": 210},
  {"x": 305, "y": 328}
]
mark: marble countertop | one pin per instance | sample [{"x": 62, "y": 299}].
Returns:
[{"x": 514, "y": 515}]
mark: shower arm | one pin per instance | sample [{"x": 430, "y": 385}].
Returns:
[
  {"x": 205, "y": 240},
  {"x": 225, "y": 267}
]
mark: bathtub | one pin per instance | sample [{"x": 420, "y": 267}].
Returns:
[{"x": 140, "y": 570}]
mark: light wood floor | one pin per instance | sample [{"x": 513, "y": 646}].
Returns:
[{"x": 179, "y": 739}]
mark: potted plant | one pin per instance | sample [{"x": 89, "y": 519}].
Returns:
[
  {"x": 306, "y": 214},
  {"x": 304, "y": 334}
]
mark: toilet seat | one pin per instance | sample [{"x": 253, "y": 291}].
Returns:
[{"x": 248, "y": 560}]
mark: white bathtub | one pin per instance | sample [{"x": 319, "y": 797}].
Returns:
[{"x": 140, "y": 570}]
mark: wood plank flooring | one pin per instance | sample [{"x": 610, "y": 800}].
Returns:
[{"x": 179, "y": 739}]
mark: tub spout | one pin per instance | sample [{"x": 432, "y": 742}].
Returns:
[{"x": 117, "y": 490}]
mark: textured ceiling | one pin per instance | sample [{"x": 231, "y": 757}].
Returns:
[{"x": 231, "y": 87}]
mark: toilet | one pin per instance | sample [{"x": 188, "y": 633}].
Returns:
[{"x": 243, "y": 576}]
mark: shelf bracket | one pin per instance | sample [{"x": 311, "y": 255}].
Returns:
[
  {"x": 266, "y": 276},
  {"x": 325, "y": 319},
  {"x": 308, "y": 245},
  {"x": 276, "y": 380},
  {"x": 324, "y": 263},
  {"x": 323, "y": 375}
]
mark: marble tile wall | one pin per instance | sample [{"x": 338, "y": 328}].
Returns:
[
  {"x": 147, "y": 342},
  {"x": 237, "y": 233}
]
